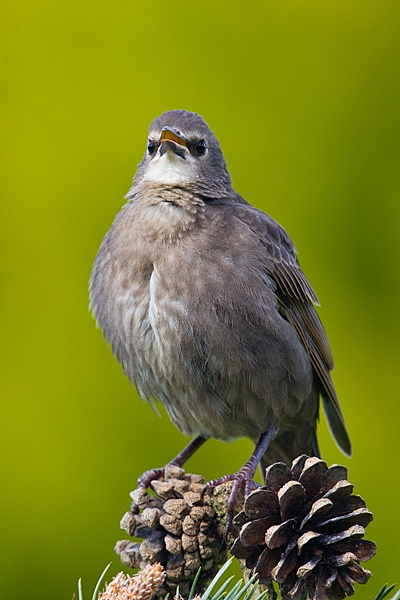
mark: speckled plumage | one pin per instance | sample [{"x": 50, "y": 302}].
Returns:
[{"x": 205, "y": 306}]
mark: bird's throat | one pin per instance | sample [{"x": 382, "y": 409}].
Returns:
[{"x": 169, "y": 169}]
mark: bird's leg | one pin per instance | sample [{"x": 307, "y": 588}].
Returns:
[
  {"x": 149, "y": 476},
  {"x": 243, "y": 479}
]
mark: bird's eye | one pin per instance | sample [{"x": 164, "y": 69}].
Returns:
[
  {"x": 201, "y": 147},
  {"x": 151, "y": 147}
]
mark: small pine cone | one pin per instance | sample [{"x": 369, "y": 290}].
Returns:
[
  {"x": 179, "y": 529},
  {"x": 142, "y": 586},
  {"x": 304, "y": 529}
]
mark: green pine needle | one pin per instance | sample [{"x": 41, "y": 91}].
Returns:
[
  {"x": 193, "y": 588},
  {"x": 384, "y": 591},
  {"x": 218, "y": 576},
  {"x": 98, "y": 584},
  {"x": 96, "y": 589},
  {"x": 240, "y": 591}
]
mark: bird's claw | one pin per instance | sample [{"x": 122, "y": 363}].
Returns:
[
  {"x": 144, "y": 481},
  {"x": 148, "y": 476},
  {"x": 242, "y": 480}
]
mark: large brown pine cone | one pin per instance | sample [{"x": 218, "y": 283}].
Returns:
[
  {"x": 304, "y": 530},
  {"x": 178, "y": 528}
]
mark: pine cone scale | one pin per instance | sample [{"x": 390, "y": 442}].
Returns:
[
  {"x": 312, "y": 475},
  {"x": 253, "y": 532},
  {"x": 339, "y": 492},
  {"x": 276, "y": 476},
  {"x": 264, "y": 503},
  {"x": 333, "y": 475},
  {"x": 277, "y": 535},
  {"x": 356, "y": 531},
  {"x": 307, "y": 538},
  {"x": 291, "y": 496},
  {"x": 266, "y": 563},
  {"x": 318, "y": 510},
  {"x": 360, "y": 516},
  {"x": 286, "y": 564},
  {"x": 306, "y": 569}
]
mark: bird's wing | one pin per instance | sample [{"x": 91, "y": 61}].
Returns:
[{"x": 296, "y": 300}]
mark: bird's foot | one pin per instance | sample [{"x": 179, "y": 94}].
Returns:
[
  {"x": 242, "y": 480},
  {"x": 148, "y": 476},
  {"x": 144, "y": 481}
]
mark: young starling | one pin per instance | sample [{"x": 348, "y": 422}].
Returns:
[{"x": 206, "y": 308}]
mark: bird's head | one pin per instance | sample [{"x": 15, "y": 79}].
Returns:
[{"x": 182, "y": 151}]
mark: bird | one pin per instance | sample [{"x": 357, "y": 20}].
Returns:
[{"x": 203, "y": 301}]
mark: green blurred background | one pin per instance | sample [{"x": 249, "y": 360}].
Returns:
[{"x": 304, "y": 97}]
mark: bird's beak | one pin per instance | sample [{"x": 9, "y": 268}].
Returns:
[{"x": 171, "y": 140}]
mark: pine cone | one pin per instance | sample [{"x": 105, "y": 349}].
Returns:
[
  {"x": 304, "y": 530},
  {"x": 179, "y": 529},
  {"x": 140, "y": 587}
]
